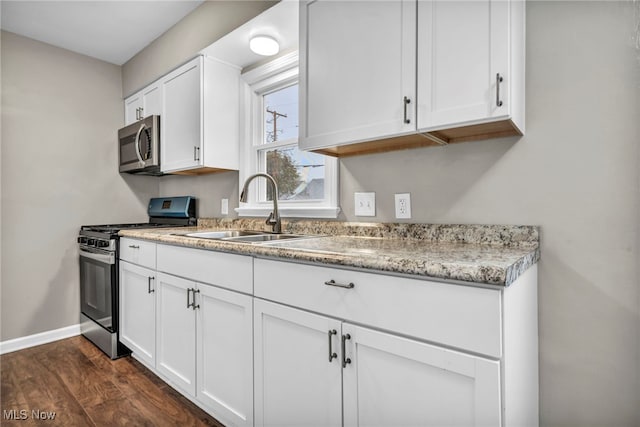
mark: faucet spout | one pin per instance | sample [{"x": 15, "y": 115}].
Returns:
[{"x": 274, "y": 218}]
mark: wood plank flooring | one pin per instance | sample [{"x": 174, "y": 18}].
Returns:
[{"x": 84, "y": 387}]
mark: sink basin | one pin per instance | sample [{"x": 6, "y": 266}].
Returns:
[
  {"x": 223, "y": 234},
  {"x": 264, "y": 237},
  {"x": 242, "y": 236}
]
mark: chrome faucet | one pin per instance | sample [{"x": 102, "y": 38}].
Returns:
[{"x": 274, "y": 217}]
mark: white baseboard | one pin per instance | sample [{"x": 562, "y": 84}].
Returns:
[{"x": 38, "y": 339}]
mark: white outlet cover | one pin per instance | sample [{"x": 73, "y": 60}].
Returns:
[
  {"x": 224, "y": 207},
  {"x": 365, "y": 204},
  {"x": 403, "y": 205}
]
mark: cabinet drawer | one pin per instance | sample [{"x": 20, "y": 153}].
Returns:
[
  {"x": 138, "y": 252},
  {"x": 459, "y": 316},
  {"x": 229, "y": 271}
]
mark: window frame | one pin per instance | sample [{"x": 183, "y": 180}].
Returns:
[{"x": 255, "y": 83}]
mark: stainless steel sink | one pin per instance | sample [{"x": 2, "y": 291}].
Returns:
[
  {"x": 223, "y": 234},
  {"x": 247, "y": 236},
  {"x": 265, "y": 237}
]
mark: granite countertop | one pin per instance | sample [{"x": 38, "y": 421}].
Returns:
[{"x": 487, "y": 254}]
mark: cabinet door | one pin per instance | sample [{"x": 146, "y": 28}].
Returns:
[
  {"x": 181, "y": 121},
  {"x": 176, "y": 332},
  {"x": 357, "y": 64},
  {"x": 138, "y": 311},
  {"x": 152, "y": 100},
  {"x": 397, "y": 381},
  {"x": 132, "y": 107},
  {"x": 462, "y": 47},
  {"x": 224, "y": 353},
  {"x": 295, "y": 382}
]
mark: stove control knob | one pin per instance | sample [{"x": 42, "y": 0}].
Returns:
[
  {"x": 102, "y": 243},
  {"x": 82, "y": 239},
  {"x": 91, "y": 242}
]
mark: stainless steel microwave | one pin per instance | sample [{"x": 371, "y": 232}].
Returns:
[{"x": 139, "y": 147}]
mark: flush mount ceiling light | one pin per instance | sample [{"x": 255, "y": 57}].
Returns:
[{"x": 264, "y": 45}]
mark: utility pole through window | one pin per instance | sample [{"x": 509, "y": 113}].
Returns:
[{"x": 274, "y": 122}]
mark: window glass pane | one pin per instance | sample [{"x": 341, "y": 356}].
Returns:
[
  {"x": 281, "y": 115},
  {"x": 299, "y": 174}
]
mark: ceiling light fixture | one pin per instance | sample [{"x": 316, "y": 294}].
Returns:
[{"x": 264, "y": 45}]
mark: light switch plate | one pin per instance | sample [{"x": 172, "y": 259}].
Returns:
[
  {"x": 365, "y": 204},
  {"x": 224, "y": 207}
]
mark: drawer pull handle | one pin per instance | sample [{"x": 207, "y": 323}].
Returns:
[
  {"x": 188, "y": 299},
  {"x": 347, "y": 360},
  {"x": 332, "y": 282},
  {"x": 134, "y": 246},
  {"x": 149, "y": 290},
  {"x": 332, "y": 355}
]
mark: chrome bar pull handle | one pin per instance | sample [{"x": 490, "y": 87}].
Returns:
[
  {"x": 499, "y": 80},
  {"x": 332, "y": 355},
  {"x": 193, "y": 304},
  {"x": 196, "y": 154},
  {"x": 149, "y": 290},
  {"x": 134, "y": 246},
  {"x": 332, "y": 282},
  {"x": 407, "y": 101},
  {"x": 188, "y": 298},
  {"x": 345, "y": 360}
]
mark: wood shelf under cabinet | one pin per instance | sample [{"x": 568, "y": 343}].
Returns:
[{"x": 441, "y": 137}]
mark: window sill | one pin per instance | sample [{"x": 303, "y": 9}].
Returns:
[{"x": 290, "y": 212}]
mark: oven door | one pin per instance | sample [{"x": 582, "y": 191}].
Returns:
[{"x": 98, "y": 286}]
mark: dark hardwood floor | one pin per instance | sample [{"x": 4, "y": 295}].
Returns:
[{"x": 84, "y": 387}]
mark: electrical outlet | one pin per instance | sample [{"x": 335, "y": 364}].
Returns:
[
  {"x": 365, "y": 204},
  {"x": 403, "y": 205},
  {"x": 224, "y": 207}
]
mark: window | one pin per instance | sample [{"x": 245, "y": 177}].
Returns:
[{"x": 307, "y": 182}]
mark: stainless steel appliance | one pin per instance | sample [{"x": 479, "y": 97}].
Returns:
[
  {"x": 139, "y": 147},
  {"x": 99, "y": 254}
]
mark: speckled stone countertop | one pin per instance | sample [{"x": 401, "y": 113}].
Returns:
[{"x": 487, "y": 254}]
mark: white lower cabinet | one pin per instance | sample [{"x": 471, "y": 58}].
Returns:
[
  {"x": 296, "y": 383},
  {"x": 176, "y": 332},
  {"x": 205, "y": 346},
  {"x": 390, "y": 380},
  {"x": 225, "y": 354},
  {"x": 408, "y": 352},
  {"x": 138, "y": 311},
  {"x": 310, "y": 368}
]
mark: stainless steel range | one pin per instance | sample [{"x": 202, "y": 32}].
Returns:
[{"x": 99, "y": 254}]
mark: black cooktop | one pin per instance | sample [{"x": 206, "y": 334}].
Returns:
[{"x": 114, "y": 228}]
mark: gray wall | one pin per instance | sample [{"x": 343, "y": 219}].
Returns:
[
  {"x": 575, "y": 173},
  {"x": 203, "y": 26},
  {"x": 60, "y": 115}
]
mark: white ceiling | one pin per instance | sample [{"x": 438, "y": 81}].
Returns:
[{"x": 113, "y": 31}]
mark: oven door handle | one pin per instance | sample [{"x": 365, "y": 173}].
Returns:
[{"x": 106, "y": 258}]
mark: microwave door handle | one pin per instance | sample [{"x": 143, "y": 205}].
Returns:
[{"x": 138, "y": 153}]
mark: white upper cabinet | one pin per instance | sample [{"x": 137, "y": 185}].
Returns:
[
  {"x": 146, "y": 102},
  {"x": 360, "y": 92},
  {"x": 181, "y": 121},
  {"x": 357, "y": 67},
  {"x": 467, "y": 74},
  {"x": 200, "y": 118}
]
